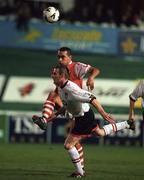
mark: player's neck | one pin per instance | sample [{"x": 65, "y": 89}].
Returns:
[{"x": 63, "y": 83}]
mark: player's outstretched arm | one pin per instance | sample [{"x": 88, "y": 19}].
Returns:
[{"x": 106, "y": 116}]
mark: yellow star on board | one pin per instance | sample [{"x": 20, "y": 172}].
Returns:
[
  {"x": 128, "y": 46},
  {"x": 31, "y": 36}
]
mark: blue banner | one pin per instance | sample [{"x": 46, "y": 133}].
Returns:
[
  {"x": 23, "y": 130},
  {"x": 131, "y": 43},
  {"x": 81, "y": 38}
]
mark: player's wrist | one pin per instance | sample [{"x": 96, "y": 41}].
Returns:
[{"x": 91, "y": 78}]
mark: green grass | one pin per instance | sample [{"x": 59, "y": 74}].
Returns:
[{"x": 46, "y": 162}]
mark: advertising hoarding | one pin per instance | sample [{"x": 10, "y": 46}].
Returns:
[{"x": 81, "y": 38}]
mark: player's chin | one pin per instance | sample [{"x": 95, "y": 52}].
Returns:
[
  {"x": 60, "y": 63},
  {"x": 63, "y": 64},
  {"x": 55, "y": 83}
]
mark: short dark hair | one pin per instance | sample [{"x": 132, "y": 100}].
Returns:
[
  {"x": 62, "y": 70},
  {"x": 69, "y": 52}
]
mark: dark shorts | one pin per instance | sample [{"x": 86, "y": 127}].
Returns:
[{"x": 84, "y": 125}]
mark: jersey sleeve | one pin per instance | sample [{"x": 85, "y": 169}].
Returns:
[
  {"x": 79, "y": 94},
  {"x": 81, "y": 69},
  {"x": 138, "y": 91}
]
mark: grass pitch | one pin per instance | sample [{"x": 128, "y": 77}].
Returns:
[{"x": 46, "y": 162}]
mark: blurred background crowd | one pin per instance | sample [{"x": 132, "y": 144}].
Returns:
[{"x": 117, "y": 12}]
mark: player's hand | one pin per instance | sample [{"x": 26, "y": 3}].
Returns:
[
  {"x": 54, "y": 115},
  {"x": 90, "y": 83},
  {"x": 109, "y": 118},
  {"x": 132, "y": 117}
]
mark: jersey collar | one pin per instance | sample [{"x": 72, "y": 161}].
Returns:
[
  {"x": 70, "y": 62},
  {"x": 64, "y": 84}
]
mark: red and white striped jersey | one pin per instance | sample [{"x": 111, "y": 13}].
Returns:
[{"x": 77, "y": 72}]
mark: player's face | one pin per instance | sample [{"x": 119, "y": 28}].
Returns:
[
  {"x": 56, "y": 77},
  {"x": 64, "y": 58}
]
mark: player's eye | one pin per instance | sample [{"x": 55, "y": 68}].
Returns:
[
  {"x": 60, "y": 57},
  {"x": 54, "y": 72}
]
